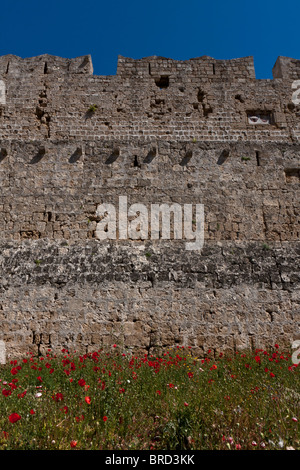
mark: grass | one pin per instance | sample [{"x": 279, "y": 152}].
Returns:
[{"x": 116, "y": 400}]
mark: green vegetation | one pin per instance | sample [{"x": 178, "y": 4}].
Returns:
[{"x": 116, "y": 400}]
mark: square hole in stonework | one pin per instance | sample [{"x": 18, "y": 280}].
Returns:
[
  {"x": 260, "y": 117},
  {"x": 292, "y": 175},
  {"x": 162, "y": 81}
]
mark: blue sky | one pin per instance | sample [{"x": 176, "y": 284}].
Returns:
[{"x": 176, "y": 29}]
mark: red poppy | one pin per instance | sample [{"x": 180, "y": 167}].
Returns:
[
  {"x": 73, "y": 443},
  {"x": 32, "y": 412},
  {"x": 104, "y": 418},
  {"x": 88, "y": 400},
  {"x": 58, "y": 397},
  {"x": 6, "y": 393},
  {"x": 14, "y": 417},
  {"x": 81, "y": 382}
]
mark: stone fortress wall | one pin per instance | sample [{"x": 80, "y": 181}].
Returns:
[{"x": 159, "y": 131}]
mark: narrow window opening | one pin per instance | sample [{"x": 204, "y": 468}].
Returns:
[
  {"x": 3, "y": 154},
  {"x": 186, "y": 158},
  {"x": 7, "y": 67},
  {"x": 45, "y": 68},
  {"x": 214, "y": 69},
  {"x": 223, "y": 157},
  {"x": 38, "y": 157},
  {"x": 200, "y": 95},
  {"x": 136, "y": 163},
  {"x": 113, "y": 157},
  {"x": 257, "y": 158}
]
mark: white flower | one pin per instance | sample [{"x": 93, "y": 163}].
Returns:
[
  {"x": 37, "y": 395},
  {"x": 280, "y": 443}
]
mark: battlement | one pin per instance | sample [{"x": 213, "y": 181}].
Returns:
[
  {"x": 153, "y": 66},
  {"x": 11, "y": 65},
  {"x": 200, "y": 67}
]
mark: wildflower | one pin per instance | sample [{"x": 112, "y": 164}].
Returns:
[
  {"x": 280, "y": 443},
  {"x": 37, "y": 395},
  {"x": 73, "y": 443},
  {"x": 14, "y": 417},
  {"x": 230, "y": 440},
  {"x": 81, "y": 382},
  {"x": 186, "y": 404},
  {"x": 254, "y": 443},
  {"x": 88, "y": 400},
  {"x": 263, "y": 445},
  {"x": 32, "y": 412},
  {"x": 105, "y": 418},
  {"x": 271, "y": 374},
  {"x": 295, "y": 419},
  {"x": 58, "y": 397},
  {"x": 238, "y": 447}
]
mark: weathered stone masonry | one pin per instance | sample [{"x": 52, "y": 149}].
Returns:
[{"x": 159, "y": 131}]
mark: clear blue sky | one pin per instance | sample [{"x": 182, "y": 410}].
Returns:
[{"x": 177, "y": 29}]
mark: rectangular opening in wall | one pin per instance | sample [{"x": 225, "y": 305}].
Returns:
[
  {"x": 260, "y": 117},
  {"x": 292, "y": 175}
]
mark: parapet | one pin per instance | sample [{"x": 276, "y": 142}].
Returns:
[
  {"x": 159, "y": 68},
  {"x": 286, "y": 68},
  {"x": 200, "y": 67},
  {"x": 45, "y": 64}
]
